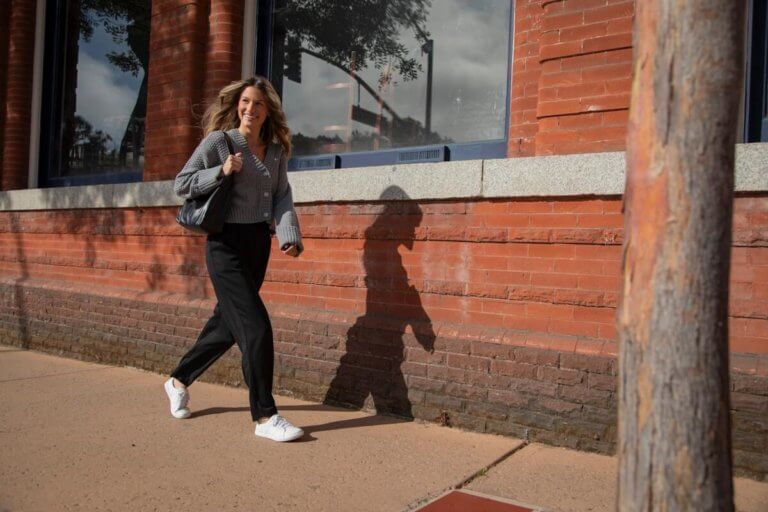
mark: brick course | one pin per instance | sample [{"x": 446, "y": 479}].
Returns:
[{"x": 572, "y": 67}]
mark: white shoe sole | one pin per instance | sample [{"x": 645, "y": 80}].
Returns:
[
  {"x": 181, "y": 415},
  {"x": 294, "y": 437}
]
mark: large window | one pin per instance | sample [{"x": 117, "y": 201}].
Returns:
[
  {"x": 95, "y": 91},
  {"x": 387, "y": 81}
]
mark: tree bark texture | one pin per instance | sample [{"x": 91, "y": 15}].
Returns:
[{"x": 674, "y": 423}]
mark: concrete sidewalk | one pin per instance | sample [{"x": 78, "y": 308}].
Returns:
[{"x": 82, "y": 436}]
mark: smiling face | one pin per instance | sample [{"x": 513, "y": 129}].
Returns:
[{"x": 252, "y": 109}]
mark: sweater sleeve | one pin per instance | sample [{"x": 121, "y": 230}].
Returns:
[
  {"x": 202, "y": 172},
  {"x": 286, "y": 220}
]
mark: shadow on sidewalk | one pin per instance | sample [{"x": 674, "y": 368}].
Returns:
[
  {"x": 370, "y": 375},
  {"x": 217, "y": 410},
  {"x": 367, "y": 421}
]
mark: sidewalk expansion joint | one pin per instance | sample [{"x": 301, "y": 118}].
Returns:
[
  {"x": 484, "y": 470},
  {"x": 421, "y": 502}
]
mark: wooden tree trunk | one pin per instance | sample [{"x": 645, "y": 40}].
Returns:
[{"x": 674, "y": 419}]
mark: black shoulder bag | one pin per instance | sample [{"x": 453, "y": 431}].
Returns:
[{"x": 206, "y": 214}]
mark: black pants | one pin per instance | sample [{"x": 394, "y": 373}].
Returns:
[{"x": 237, "y": 261}]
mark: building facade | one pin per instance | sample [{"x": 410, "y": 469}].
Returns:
[{"x": 458, "y": 171}]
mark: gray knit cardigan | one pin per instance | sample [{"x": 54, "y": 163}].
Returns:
[{"x": 260, "y": 191}]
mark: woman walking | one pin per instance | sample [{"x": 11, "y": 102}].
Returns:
[{"x": 250, "y": 113}]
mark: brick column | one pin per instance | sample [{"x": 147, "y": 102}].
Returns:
[
  {"x": 586, "y": 65},
  {"x": 526, "y": 69},
  {"x": 18, "y": 93},
  {"x": 178, "y": 37},
  {"x": 5, "y": 15},
  {"x": 225, "y": 45}
]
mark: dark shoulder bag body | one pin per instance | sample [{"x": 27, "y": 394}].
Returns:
[{"x": 206, "y": 214}]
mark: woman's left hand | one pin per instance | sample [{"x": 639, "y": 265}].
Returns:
[{"x": 291, "y": 250}]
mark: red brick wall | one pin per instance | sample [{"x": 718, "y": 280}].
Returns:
[
  {"x": 571, "y": 76},
  {"x": 195, "y": 48},
  {"x": 18, "y": 94},
  {"x": 5, "y": 15},
  {"x": 546, "y": 268},
  {"x": 526, "y": 70},
  {"x": 225, "y": 45},
  {"x": 178, "y": 37}
]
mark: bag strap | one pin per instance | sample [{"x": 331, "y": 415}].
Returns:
[{"x": 230, "y": 146}]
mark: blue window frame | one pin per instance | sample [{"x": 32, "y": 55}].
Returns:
[
  {"x": 94, "y": 92},
  {"x": 395, "y": 81}
]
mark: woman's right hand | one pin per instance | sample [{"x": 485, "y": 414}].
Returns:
[{"x": 233, "y": 164}]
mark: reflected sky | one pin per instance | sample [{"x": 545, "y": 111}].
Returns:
[
  {"x": 105, "y": 94},
  {"x": 469, "y": 97}
]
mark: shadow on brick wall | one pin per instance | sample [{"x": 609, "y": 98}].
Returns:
[
  {"x": 67, "y": 217},
  {"x": 370, "y": 373},
  {"x": 19, "y": 302}
]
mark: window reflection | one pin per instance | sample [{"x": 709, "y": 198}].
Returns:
[
  {"x": 104, "y": 87},
  {"x": 391, "y": 74}
]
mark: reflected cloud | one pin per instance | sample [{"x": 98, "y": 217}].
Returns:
[
  {"x": 101, "y": 99},
  {"x": 469, "y": 98}
]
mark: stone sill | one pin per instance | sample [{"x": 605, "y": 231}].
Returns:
[{"x": 592, "y": 174}]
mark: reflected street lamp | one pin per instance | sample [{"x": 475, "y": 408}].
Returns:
[{"x": 429, "y": 48}]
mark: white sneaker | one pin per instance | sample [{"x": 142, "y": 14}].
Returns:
[
  {"x": 179, "y": 399},
  {"x": 278, "y": 429}
]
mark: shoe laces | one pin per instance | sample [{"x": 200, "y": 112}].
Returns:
[
  {"x": 183, "y": 397},
  {"x": 281, "y": 422}
]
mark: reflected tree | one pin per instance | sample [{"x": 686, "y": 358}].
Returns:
[
  {"x": 90, "y": 148},
  {"x": 370, "y": 31},
  {"x": 303, "y": 145},
  {"x": 128, "y": 23},
  {"x": 371, "y": 37}
]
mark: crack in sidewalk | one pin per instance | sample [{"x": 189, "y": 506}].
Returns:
[{"x": 468, "y": 480}]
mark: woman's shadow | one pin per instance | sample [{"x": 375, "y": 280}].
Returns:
[{"x": 370, "y": 374}]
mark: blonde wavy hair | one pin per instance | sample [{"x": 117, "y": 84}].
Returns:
[{"x": 221, "y": 114}]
